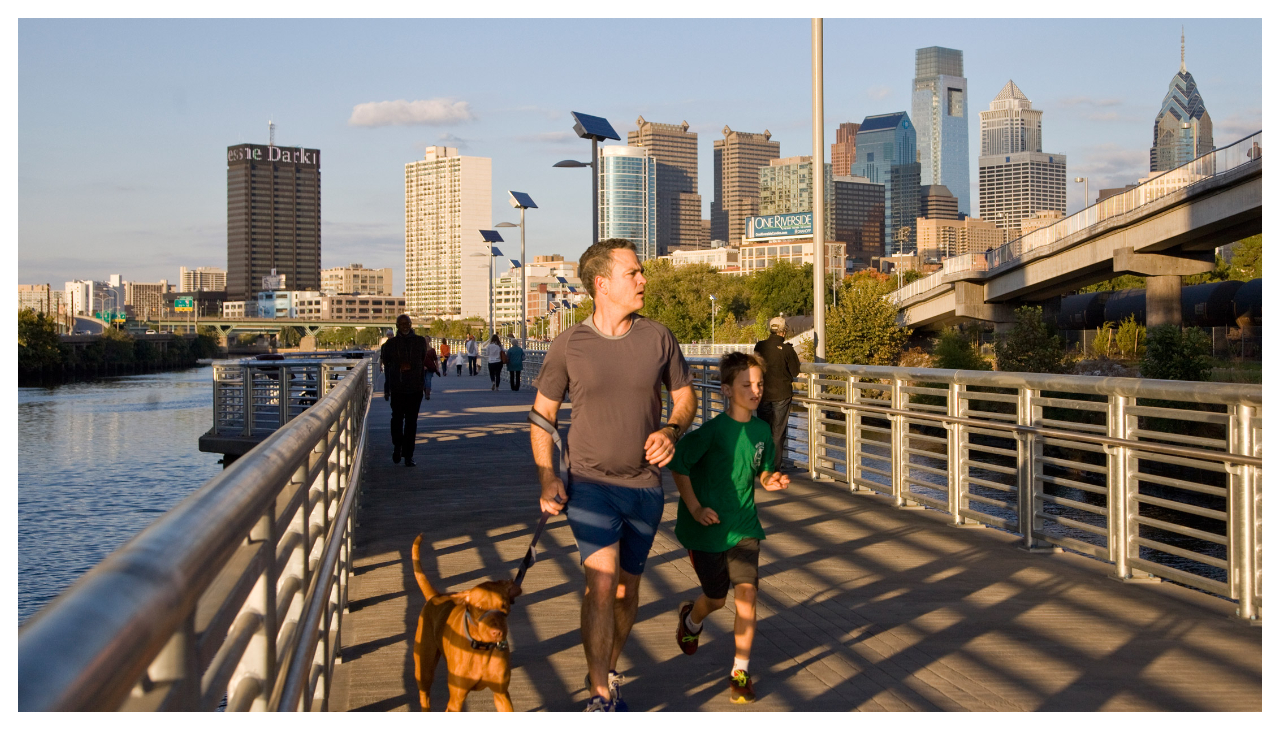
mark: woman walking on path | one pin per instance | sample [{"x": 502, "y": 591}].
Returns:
[
  {"x": 430, "y": 367},
  {"x": 444, "y": 357},
  {"x": 495, "y": 355},
  {"x": 473, "y": 354},
  {"x": 515, "y": 363}
]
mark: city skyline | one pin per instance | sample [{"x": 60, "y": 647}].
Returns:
[{"x": 167, "y": 98}]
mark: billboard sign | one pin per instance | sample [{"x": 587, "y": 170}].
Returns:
[
  {"x": 184, "y": 304},
  {"x": 785, "y": 225}
]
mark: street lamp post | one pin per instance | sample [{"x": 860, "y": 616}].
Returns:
[
  {"x": 713, "y": 319},
  {"x": 491, "y": 237},
  {"x": 596, "y": 129},
  {"x": 819, "y": 200},
  {"x": 1084, "y": 180},
  {"x": 523, "y": 202}
]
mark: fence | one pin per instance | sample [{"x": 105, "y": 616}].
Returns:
[
  {"x": 254, "y": 397},
  {"x": 1160, "y": 478},
  {"x": 236, "y": 595}
]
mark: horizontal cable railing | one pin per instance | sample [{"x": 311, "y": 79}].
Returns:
[
  {"x": 1159, "y": 478},
  {"x": 1202, "y": 168},
  {"x": 233, "y": 598}
]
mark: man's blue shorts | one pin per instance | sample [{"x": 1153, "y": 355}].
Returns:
[{"x": 602, "y": 514}]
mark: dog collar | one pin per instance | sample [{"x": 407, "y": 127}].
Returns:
[{"x": 481, "y": 645}]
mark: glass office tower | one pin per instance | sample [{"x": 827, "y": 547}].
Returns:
[
  {"x": 940, "y": 110},
  {"x": 886, "y": 146},
  {"x": 1183, "y": 130},
  {"x": 629, "y": 198}
]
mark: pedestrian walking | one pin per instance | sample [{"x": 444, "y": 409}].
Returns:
[
  {"x": 495, "y": 356},
  {"x": 613, "y": 365},
  {"x": 444, "y": 357},
  {"x": 781, "y": 366},
  {"x": 455, "y": 360},
  {"x": 473, "y": 354},
  {"x": 431, "y": 367},
  {"x": 515, "y": 363},
  {"x": 403, "y": 364},
  {"x": 715, "y": 469}
]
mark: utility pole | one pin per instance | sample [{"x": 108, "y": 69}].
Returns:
[{"x": 819, "y": 203}]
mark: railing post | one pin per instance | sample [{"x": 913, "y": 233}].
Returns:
[
  {"x": 852, "y": 442},
  {"x": 285, "y": 391},
  {"x": 1118, "y": 518},
  {"x": 955, "y": 472},
  {"x": 1029, "y": 489},
  {"x": 897, "y": 459},
  {"x": 1242, "y": 552},
  {"x": 812, "y": 425},
  {"x": 176, "y": 665},
  {"x": 246, "y": 381}
]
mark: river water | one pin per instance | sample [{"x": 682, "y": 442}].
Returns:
[{"x": 97, "y": 462}]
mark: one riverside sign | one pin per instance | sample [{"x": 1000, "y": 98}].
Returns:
[
  {"x": 269, "y": 153},
  {"x": 785, "y": 225}
]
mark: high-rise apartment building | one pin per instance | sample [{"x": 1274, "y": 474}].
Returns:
[
  {"x": 937, "y": 203},
  {"x": 629, "y": 197},
  {"x": 1183, "y": 130},
  {"x": 786, "y": 186},
  {"x": 356, "y": 279},
  {"x": 675, "y": 151},
  {"x": 88, "y": 296},
  {"x": 273, "y": 217},
  {"x": 203, "y": 278},
  {"x": 738, "y": 159},
  {"x": 887, "y": 155},
  {"x": 845, "y": 149},
  {"x": 145, "y": 300},
  {"x": 858, "y": 219},
  {"x": 42, "y": 298},
  {"x": 940, "y": 238},
  {"x": 1010, "y": 125},
  {"x": 1016, "y": 179},
  {"x": 447, "y": 202},
  {"x": 940, "y": 110}
]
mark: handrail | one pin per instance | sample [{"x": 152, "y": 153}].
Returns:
[
  {"x": 1063, "y": 461},
  {"x": 145, "y": 627}
]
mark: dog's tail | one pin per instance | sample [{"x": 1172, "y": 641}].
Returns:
[{"x": 423, "y": 583}]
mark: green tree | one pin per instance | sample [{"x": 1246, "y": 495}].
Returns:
[
  {"x": 862, "y": 328},
  {"x": 1104, "y": 339},
  {"x": 911, "y": 275},
  {"x": 1176, "y": 354},
  {"x": 680, "y": 297},
  {"x": 1029, "y": 346},
  {"x": 586, "y": 308},
  {"x": 1131, "y": 339},
  {"x": 1124, "y": 281},
  {"x": 289, "y": 337},
  {"x": 1246, "y": 259},
  {"x": 38, "y": 343},
  {"x": 782, "y": 288},
  {"x": 371, "y": 336},
  {"x": 954, "y": 350}
]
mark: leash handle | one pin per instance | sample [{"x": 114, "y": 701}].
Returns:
[{"x": 530, "y": 555}]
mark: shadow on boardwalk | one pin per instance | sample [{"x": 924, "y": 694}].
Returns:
[{"x": 862, "y": 606}]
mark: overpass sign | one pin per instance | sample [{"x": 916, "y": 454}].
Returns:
[{"x": 184, "y": 304}]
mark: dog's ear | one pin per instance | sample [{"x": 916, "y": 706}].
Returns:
[{"x": 513, "y": 590}]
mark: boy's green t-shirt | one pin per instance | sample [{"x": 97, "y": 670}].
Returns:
[{"x": 722, "y": 460}]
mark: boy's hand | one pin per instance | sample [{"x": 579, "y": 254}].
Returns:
[
  {"x": 706, "y": 516},
  {"x": 776, "y": 481}
]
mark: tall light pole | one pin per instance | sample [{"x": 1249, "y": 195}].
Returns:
[
  {"x": 523, "y": 202},
  {"x": 596, "y": 129},
  {"x": 819, "y": 202},
  {"x": 490, "y": 237},
  {"x": 713, "y": 319},
  {"x": 1084, "y": 180}
]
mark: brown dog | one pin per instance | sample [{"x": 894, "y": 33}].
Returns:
[{"x": 470, "y": 629}]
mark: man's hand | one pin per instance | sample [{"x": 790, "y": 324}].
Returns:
[
  {"x": 553, "y": 497},
  {"x": 706, "y": 516},
  {"x": 775, "y": 481},
  {"x": 659, "y": 448},
  {"x": 386, "y": 394}
]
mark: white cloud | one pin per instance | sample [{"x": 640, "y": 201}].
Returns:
[
  {"x": 548, "y": 137},
  {"x": 1089, "y": 101},
  {"x": 879, "y": 92},
  {"x": 1234, "y": 127},
  {"x": 1110, "y": 165},
  {"x": 449, "y": 139},
  {"x": 411, "y": 113}
]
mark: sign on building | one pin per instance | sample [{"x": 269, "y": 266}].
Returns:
[
  {"x": 785, "y": 225},
  {"x": 184, "y": 304}
]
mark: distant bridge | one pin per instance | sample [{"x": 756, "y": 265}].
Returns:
[{"x": 1164, "y": 229}]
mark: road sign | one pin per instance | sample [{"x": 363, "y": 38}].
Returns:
[{"x": 184, "y": 304}]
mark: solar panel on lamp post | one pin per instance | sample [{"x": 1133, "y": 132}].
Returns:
[
  {"x": 490, "y": 237},
  {"x": 596, "y": 129},
  {"x": 523, "y": 202}
]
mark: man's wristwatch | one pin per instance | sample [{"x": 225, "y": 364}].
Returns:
[{"x": 675, "y": 428}]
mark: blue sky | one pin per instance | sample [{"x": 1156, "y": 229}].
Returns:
[{"x": 123, "y": 124}]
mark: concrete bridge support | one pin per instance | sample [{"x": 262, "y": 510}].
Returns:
[{"x": 1164, "y": 280}]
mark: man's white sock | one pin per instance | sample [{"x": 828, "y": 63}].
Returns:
[
  {"x": 690, "y": 625},
  {"x": 739, "y": 664}
]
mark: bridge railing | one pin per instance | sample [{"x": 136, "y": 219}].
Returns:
[
  {"x": 1206, "y": 166},
  {"x": 234, "y": 596},
  {"x": 253, "y": 397},
  {"x": 1159, "y": 478}
]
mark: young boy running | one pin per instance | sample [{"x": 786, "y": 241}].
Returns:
[{"x": 715, "y": 468}]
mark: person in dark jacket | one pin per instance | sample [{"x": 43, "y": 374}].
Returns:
[
  {"x": 782, "y": 365},
  {"x": 403, "y": 365}
]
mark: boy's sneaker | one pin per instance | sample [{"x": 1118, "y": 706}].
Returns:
[
  {"x": 686, "y": 639},
  {"x": 615, "y": 695},
  {"x": 740, "y": 689},
  {"x": 600, "y": 704}
]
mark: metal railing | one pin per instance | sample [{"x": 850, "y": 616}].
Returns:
[
  {"x": 253, "y": 397},
  {"x": 236, "y": 595},
  {"x": 1159, "y": 478},
  {"x": 1217, "y": 162}
]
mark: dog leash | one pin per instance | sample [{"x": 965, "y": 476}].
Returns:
[{"x": 531, "y": 555}]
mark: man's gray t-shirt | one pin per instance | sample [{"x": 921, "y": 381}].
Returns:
[{"x": 614, "y": 383}]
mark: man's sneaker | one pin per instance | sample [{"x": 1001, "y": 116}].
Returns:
[
  {"x": 615, "y": 694},
  {"x": 740, "y": 689},
  {"x": 600, "y": 704},
  {"x": 395, "y": 455},
  {"x": 686, "y": 639}
]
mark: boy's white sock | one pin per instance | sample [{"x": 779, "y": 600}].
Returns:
[
  {"x": 690, "y": 625},
  {"x": 739, "y": 664}
]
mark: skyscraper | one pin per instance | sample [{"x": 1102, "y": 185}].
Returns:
[
  {"x": 1016, "y": 179},
  {"x": 940, "y": 110},
  {"x": 858, "y": 219},
  {"x": 937, "y": 203},
  {"x": 447, "y": 202},
  {"x": 273, "y": 217},
  {"x": 845, "y": 149},
  {"x": 675, "y": 150},
  {"x": 629, "y": 197},
  {"x": 738, "y": 159},
  {"x": 887, "y": 155},
  {"x": 1183, "y": 130}
]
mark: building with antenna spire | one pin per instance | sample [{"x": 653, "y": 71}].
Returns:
[
  {"x": 1017, "y": 180},
  {"x": 1183, "y": 130}
]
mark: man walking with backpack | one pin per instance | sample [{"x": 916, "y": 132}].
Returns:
[
  {"x": 782, "y": 365},
  {"x": 404, "y": 359}
]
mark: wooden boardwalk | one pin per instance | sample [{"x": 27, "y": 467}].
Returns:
[{"x": 862, "y": 606}]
